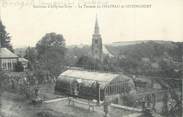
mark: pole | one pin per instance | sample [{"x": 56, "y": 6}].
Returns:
[
  {"x": 99, "y": 93},
  {"x": 98, "y": 88},
  {"x": 182, "y": 95}
]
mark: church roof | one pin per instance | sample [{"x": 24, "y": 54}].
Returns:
[
  {"x": 5, "y": 53},
  {"x": 106, "y": 51}
]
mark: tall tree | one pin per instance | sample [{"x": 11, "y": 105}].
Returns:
[
  {"x": 31, "y": 56},
  {"x": 5, "y": 37},
  {"x": 51, "y": 53}
]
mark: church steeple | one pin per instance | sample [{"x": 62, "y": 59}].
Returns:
[
  {"x": 0, "y": 14},
  {"x": 0, "y": 42},
  {"x": 96, "y": 26},
  {"x": 0, "y": 24},
  {"x": 97, "y": 52}
]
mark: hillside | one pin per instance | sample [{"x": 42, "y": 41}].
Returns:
[
  {"x": 145, "y": 48},
  {"x": 141, "y": 57},
  {"x": 137, "y": 49},
  {"x": 164, "y": 57}
]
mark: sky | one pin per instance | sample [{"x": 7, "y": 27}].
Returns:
[{"x": 27, "y": 22}]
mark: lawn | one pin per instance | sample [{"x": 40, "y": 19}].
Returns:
[{"x": 15, "y": 105}]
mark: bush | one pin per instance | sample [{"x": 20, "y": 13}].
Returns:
[
  {"x": 19, "y": 67},
  {"x": 128, "y": 100},
  {"x": 48, "y": 113}
]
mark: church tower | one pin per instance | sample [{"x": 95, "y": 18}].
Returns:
[{"x": 97, "y": 52}]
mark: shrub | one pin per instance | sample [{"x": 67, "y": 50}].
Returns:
[
  {"x": 19, "y": 67},
  {"x": 128, "y": 100}
]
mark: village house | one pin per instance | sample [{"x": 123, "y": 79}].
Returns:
[{"x": 8, "y": 60}]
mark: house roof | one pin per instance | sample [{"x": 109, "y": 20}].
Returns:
[
  {"x": 22, "y": 59},
  {"x": 5, "y": 53},
  {"x": 106, "y": 51}
]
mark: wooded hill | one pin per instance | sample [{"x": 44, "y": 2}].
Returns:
[
  {"x": 139, "y": 57},
  {"x": 136, "y": 57}
]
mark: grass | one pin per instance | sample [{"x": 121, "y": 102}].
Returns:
[{"x": 15, "y": 105}]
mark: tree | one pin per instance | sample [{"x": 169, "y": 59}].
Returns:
[
  {"x": 2, "y": 78},
  {"x": 50, "y": 40},
  {"x": 5, "y": 37},
  {"x": 51, "y": 54},
  {"x": 19, "y": 67},
  {"x": 31, "y": 56},
  {"x": 90, "y": 63},
  {"x": 177, "y": 51}
]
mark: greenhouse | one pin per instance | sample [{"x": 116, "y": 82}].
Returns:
[{"x": 90, "y": 85}]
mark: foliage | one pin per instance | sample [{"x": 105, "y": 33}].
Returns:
[
  {"x": 177, "y": 51},
  {"x": 19, "y": 82},
  {"x": 43, "y": 76},
  {"x": 128, "y": 100},
  {"x": 155, "y": 58},
  {"x": 47, "y": 59},
  {"x": 89, "y": 63},
  {"x": 168, "y": 69},
  {"x": 4, "y": 37},
  {"x": 74, "y": 53},
  {"x": 2, "y": 78},
  {"x": 51, "y": 53},
  {"x": 31, "y": 55},
  {"x": 48, "y": 113},
  {"x": 50, "y": 40},
  {"x": 19, "y": 67}
]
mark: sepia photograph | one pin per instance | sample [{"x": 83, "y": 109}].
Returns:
[{"x": 91, "y": 58}]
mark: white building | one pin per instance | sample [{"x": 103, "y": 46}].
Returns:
[{"x": 8, "y": 59}]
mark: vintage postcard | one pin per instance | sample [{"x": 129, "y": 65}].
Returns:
[{"x": 91, "y": 58}]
